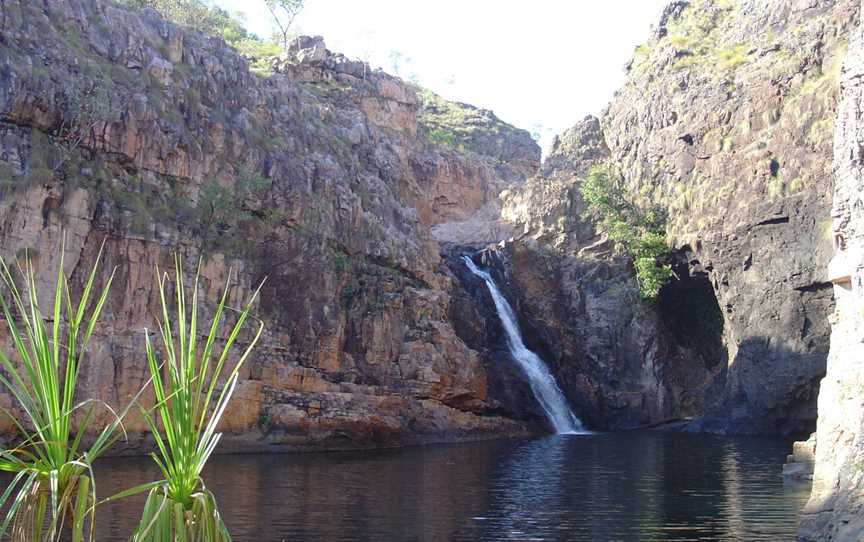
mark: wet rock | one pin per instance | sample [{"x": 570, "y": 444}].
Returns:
[{"x": 615, "y": 357}]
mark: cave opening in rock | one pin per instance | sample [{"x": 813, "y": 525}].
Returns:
[{"x": 689, "y": 306}]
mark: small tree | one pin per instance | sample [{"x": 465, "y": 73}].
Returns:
[
  {"x": 639, "y": 234},
  {"x": 87, "y": 106},
  {"x": 284, "y": 12}
]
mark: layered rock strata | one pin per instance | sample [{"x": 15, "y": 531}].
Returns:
[
  {"x": 118, "y": 126},
  {"x": 726, "y": 122}
]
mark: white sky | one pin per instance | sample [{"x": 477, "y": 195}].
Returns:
[{"x": 541, "y": 65}]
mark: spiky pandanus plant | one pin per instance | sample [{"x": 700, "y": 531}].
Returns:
[
  {"x": 193, "y": 383},
  {"x": 52, "y": 491}
]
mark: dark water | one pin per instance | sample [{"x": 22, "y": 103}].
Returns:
[{"x": 626, "y": 486}]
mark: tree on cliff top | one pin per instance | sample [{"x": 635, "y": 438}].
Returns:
[
  {"x": 635, "y": 232},
  {"x": 196, "y": 14},
  {"x": 214, "y": 21},
  {"x": 284, "y": 12}
]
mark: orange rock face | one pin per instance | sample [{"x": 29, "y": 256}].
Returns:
[{"x": 116, "y": 125}]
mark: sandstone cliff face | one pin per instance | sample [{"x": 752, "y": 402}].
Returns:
[
  {"x": 725, "y": 121},
  {"x": 117, "y": 125},
  {"x": 834, "y": 511},
  {"x": 342, "y": 185}
]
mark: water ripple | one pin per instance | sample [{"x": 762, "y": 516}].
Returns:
[{"x": 647, "y": 486}]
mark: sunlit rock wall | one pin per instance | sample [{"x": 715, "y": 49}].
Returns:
[{"x": 836, "y": 507}]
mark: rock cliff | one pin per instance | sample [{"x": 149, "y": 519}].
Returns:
[
  {"x": 621, "y": 362},
  {"x": 344, "y": 186},
  {"x": 724, "y": 121},
  {"x": 834, "y": 511},
  {"x": 746, "y": 178},
  {"x": 118, "y": 125}
]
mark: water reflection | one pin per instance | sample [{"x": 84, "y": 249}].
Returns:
[{"x": 634, "y": 486}]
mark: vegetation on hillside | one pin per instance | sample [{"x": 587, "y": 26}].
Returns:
[
  {"x": 214, "y": 21},
  {"x": 463, "y": 127},
  {"x": 283, "y": 13},
  {"x": 639, "y": 234}
]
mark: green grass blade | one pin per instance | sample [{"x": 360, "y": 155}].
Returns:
[
  {"x": 80, "y": 509},
  {"x": 53, "y": 475},
  {"x": 23, "y": 491},
  {"x": 132, "y": 491}
]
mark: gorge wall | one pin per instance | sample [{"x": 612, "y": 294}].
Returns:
[
  {"x": 354, "y": 192},
  {"x": 326, "y": 178},
  {"x": 726, "y": 122},
  {"x": 747, "y": 180},
  {"x": 834, "y": 511}
]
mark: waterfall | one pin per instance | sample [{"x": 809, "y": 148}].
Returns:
[{"x": 542, "y": 382}]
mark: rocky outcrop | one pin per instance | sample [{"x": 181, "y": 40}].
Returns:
[
  {"x": 836, "y": 507},
  {"x": 617, "y": 359},
  {"x": 117, "y": 125},
  {"x": 344, "y": 185},
  {"x": 725, "y": 121},
  {"x": 511, "y": 152},
  {"x": 801, "y": 462},
  {"x": 469, "y": 128}
]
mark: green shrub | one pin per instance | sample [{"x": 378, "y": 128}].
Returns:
[
  {"x": 52, "y": 466},
  {"x": 442, "y": 137},
  {"x": 639, "y": 234},
  {"x": 733, "y": 57},
  {"x": 221, "y": 210},
  {"x": 193, "y": 381},
  {"x": 214, "y": 21},
  {"x": 341, "y": 262}
]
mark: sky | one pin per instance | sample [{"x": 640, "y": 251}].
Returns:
[{"x": 540, "y": 65}]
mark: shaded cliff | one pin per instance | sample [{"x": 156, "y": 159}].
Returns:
[
  {"x": 617, "y": 358},
  {"x": 725, "y": 122},
  {"x": 344, "y": 186},
  {"x": 746, "y": 179},
  {"x": 834, "y": 511},
  {"x": 117, "y": 125}
]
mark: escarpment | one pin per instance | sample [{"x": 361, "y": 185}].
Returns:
[
  {"x": 746, "y": 179},
  {"x": 117, "y": 125},
  {"x": 725, "y": 122}
]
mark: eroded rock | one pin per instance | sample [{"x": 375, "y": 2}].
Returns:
[
  {"x": 835, "y": 510},
  {"x": 116, "y": 125},
  {"x": 725, "y": 121}
]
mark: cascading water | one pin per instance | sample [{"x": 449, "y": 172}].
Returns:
[{"x": 542, "y": 382}]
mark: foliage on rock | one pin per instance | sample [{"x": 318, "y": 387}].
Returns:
[
  {"x": 463, "y": 127},
  {"x": 637, "y": 233},
  {"x": 215, "y": 21},
  {"x": 357, "y": 301}
]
